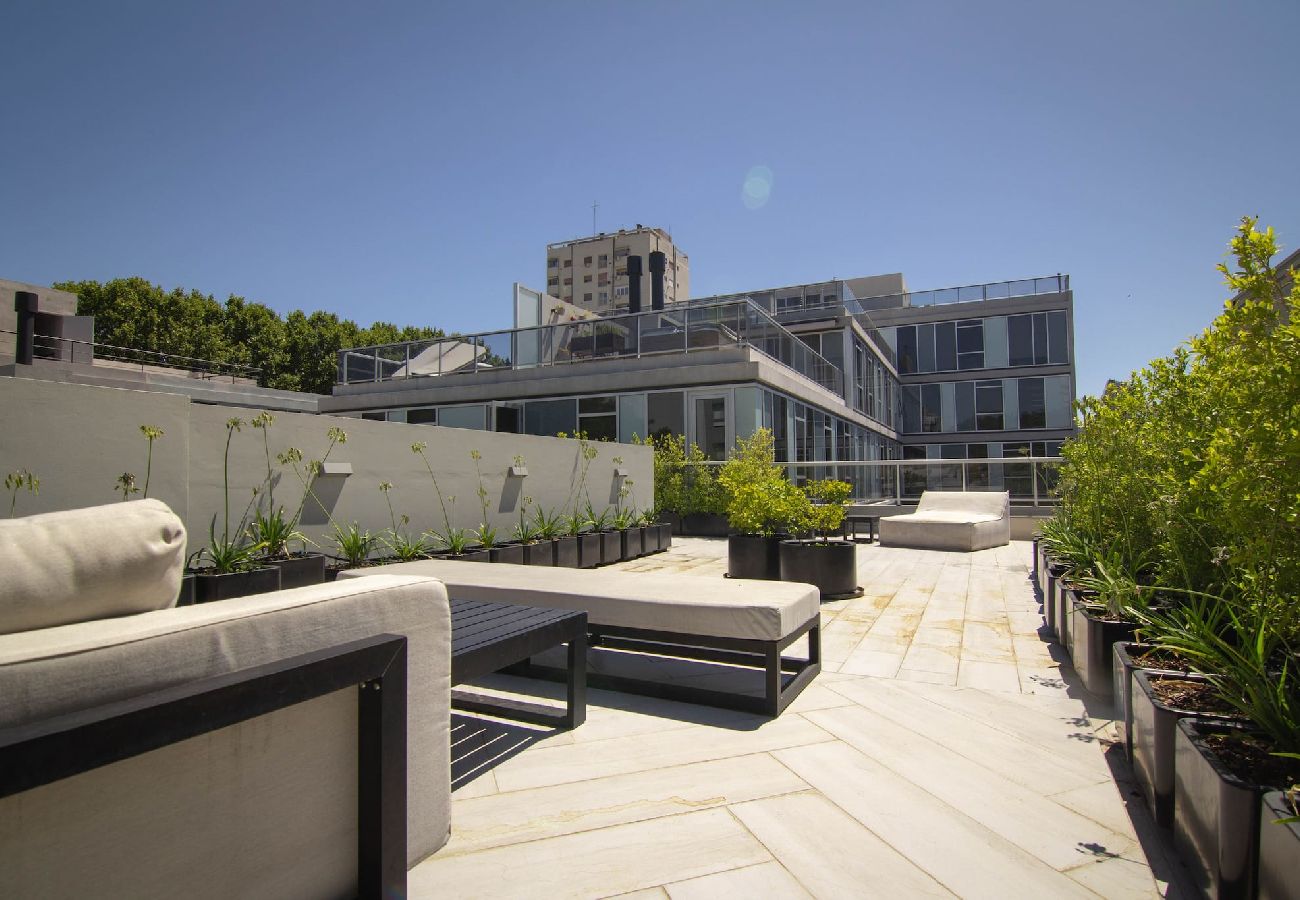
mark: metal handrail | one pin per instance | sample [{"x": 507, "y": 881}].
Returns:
[
  {"x": 993, "y": 290},
  {"x": 733, "y": 322},
  {"x": 885, "y": 480},
  {"x": 208, "y": 368}
]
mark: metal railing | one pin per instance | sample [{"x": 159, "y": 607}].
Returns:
[
  {"x": 61, "y": 349},
  {"x": 683, "y": 328},
  {"x": 996, "y": 290},
  {"x": 1030, "y": 480}
]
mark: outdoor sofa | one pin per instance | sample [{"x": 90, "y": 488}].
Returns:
[
  {"x": 736, "y": 621},
  {"x": 315, "y": 798},
  {"x": 952, "y": 520}
]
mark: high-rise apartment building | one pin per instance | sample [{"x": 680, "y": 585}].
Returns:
[{"x": 591, "y": 272}]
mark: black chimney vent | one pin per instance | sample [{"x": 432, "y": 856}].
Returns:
[
  {"x": 657, "y": 263},
  {"x": 634, "y": 284},
  {"x": 25, "y": 305}
]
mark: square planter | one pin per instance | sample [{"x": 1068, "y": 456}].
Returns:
[
  {"x": 508, "y": 553},
  {"x": 300, "y": 570},
  {"x": 706, "y": 524},
  {"x": 541, "y": 553},
  {"x": 566, "y": 552},
  {"x": 479, "y": 554},
  {"x": 1064, "y": 610},
  {"x": 672, "y": 520},
  {"x": 754, "y": 556},
  {"x": 589, "y": 549},
  {"x": 1279, "y": 849},
  {"x": 650, "y": 539},
  {"x": 1094, "y": 635},
  {"x": 1154, "y": 727},
  {"x": 611, "y": 547},
  {"x": 1126, "y": 660},
  {"x": 1049, "y": 604},
  {"x": 208, "y": 588},
  {"x": 185, "y": 597},
  {"x": 630, "y": 548},
  {"x": 665, "y": 535},
  {"x": 1216, "y": 816}
]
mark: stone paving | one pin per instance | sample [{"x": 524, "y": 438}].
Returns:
[{"x": 942, "y": 751}]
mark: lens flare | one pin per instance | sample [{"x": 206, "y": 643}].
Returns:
[{"x": 757, "y": 187}]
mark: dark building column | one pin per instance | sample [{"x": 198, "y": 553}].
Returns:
[
  {"x": 25, "y": 307},
  {"x": 634, "y": 284},
  {"x": 657, "y": 262}
]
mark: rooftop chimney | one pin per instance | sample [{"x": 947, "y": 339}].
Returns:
[
  {"x": 25, "y": 305},
  {"x": 657, "y": 263},
  {"x": 634, "y": 284}
]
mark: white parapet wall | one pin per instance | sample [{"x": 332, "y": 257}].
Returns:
[{"x": 78, "y": 439}]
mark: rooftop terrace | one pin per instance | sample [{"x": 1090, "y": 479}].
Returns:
[{"x": 942, "y": 751}]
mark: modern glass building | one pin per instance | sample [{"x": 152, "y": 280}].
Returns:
[{"x": 977, "y": 372}]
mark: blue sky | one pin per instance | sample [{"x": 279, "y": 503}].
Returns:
[{"x": 409, "y": 161}]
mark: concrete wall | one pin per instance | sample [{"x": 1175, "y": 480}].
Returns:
[{"x": 78, "y": 438}]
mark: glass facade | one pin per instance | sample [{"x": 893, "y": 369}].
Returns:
[
  {"x": 994, "y": 404},
  {"x": 996, "y": 342}
]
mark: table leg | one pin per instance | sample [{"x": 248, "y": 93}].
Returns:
[{"x": 576, "y": 686}]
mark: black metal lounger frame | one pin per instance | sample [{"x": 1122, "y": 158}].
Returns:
[
  {"x": 779, "y": 691},
  {"x": 43, "y": 752}
]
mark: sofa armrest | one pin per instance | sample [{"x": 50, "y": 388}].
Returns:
[{"x": 281, "y": 787}]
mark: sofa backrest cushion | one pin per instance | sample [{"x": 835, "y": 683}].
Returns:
[
  {"x": 991, "y": 503},
  {"x": 93, "y": 563}
]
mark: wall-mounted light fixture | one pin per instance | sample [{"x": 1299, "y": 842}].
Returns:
[{"x": 336, "y": 468}]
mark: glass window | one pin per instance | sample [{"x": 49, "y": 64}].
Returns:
[
  {"x": 965, "y": 406},
  {"x": 907, "y": 349},
  {"x": 945, "y": 349},
  {"x": 665, "y": 413},
  {"x": 1059, "y": 401},
  {"x": 948, "y": 405},
  {"x": 596, "y": 405},
  {"x": 988, "y": 405},
  {"x": 931, "y": 413},
  {"x": 970, "y": 344},
  {"x": 711, "y": 426},
  {"x": 1020, "y": 340},
  {"x": 925, "y": 348},
  {"x": 1033, "y": 412},
  {"x": 995, "y": 342},
  {"x": 631, "y": 417},
  {"x": 1040, "y": 339},
  {"x": 912, "y": 408},
  {"x": 463, "y": 417},
  {"x": 550, "y": 417},
  {"x": 1057, "y": 351},
  {"x": 509, "y": 418},
  {"x": 375, "y": 416},
  {"x": 422, "y": 416}
]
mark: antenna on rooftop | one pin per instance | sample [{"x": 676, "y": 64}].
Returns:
[{"x": 594, "y": 205}]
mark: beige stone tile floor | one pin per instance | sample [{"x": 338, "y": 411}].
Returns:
[{"x": 944, "y": 750}]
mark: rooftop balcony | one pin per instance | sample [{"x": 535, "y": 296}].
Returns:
[
  {"x": 681, "y": 329},
  {"x": 970, "y": 293}
]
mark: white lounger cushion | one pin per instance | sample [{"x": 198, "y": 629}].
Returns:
[
  {"x": 290, "y": 776},
  {"x": 92, "y": 563},
  {"x": 657, "y": 601},
  {"x": 952, "y": 520}
]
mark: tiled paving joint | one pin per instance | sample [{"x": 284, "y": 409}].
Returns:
[{"x": 943, "y": 751}]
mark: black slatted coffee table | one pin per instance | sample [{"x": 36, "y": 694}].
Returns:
[{"x": 486, "y": 637}]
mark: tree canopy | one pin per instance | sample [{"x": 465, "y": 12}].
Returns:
[{"x": 295, "y": 353}]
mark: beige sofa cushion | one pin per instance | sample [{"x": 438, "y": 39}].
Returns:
[
  {"x": 93, "y": 563},
  {"x": 658, "y": 601},
  {"x": 264, "y": 808}
]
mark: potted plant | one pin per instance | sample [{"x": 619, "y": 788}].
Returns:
[
  {"x": 760, "y": 503},
  {"x": 829, "y": 565},
  {"x": 400, "y": 544},
  {"x": 704, "y": 497},
  {"x": 272, "y": 530},
  {"x": 1279, "y": 843},
  {"x": 485, "y": 535},
  {"x": 552, "y": 529},
  {"x": 629, "y": 532},
  {"x": 1104, "y": 612},
  {"x": 20, "y": 480},
  {"x": 611, "y": 540},
  {"x": 232, "y": 568},
  {"x": 649, "y": 531},
  {"x": 355, "y": 546},
  {"x": 1129, "y": 657},
  {"x": 526, "y": 539}
]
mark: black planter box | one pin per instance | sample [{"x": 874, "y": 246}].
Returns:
[
  {"x": 301, "y": 570},
  {"x": 589, "y": 549},
  {"x": 650, "y": 539},
  {"x": 1094, "y": 636},
  {"x": 478, "y": 554},
  {"x": 208, "y": 588},
  {"x": 665, "y": 535},
  {"x": 1064, "y": 608},
  {"x": 830, "y": 567},
  {"x": 185, "y": 596},
  {"x": 630, "y": 548},
  {"x": 541, "y": 553},
  {"x": 705, "y": 525},
  {"x": 1154, "y": 726},
  {"x": 754, "y": 556},
  {"x": 508, "y": 553},
  {"x": 611, "y": 547},
  {"x": 1279, "y": 849},
  {"x": 566, "y": 552},
  {"x": 1123, "y": 665},
  {"x": 1216, "y": 816},
  {"x": 672, "y": 520},
  {"x": 1049, "y": 604}
]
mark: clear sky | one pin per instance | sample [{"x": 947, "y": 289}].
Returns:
[{"x": 409, "y": 161}]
